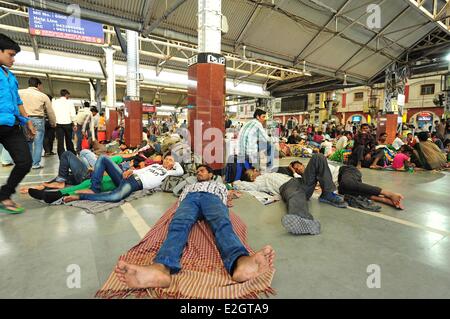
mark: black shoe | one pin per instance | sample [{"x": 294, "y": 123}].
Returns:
[
  {"x": 36, "y": 193},
  {"x": 52, "y": 196}
]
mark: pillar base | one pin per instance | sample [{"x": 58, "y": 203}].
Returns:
[
  {"x": 388, "y": 124},
  {"x": 133, "y": 123}
]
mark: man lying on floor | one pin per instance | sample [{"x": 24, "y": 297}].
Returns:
[
  {"x": 295, "y": 192},
  {"x": 207, "y": 200},
  {"x": 350, "y": 183},
  {"x": 127, "y": 182}
]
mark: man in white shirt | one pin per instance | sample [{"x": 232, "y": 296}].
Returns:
[
  {"x": 65, "y": 121},
  {"x": 206, "y": 200},
  {"x": 344, "y": 140},
  {"x": 82, "y": 114},
  {"x": 127, "y": 182},
  {"x": 297, "y": 191},
  {"x": 91, "y": 121},
  {"x": 398, "y": 142}
]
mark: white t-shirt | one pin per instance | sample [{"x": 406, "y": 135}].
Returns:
[
  {"x": 397, "y": 143},
  {"x": 64, "y": 111},
  {"x": 342, "y": 143},
  {"x": 152, "y": 176}
]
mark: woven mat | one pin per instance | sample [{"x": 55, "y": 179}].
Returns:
[{"x": 203, "y": 274}]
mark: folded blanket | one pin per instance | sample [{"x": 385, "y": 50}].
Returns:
[
  {"x": 203, "y": 274},
  {"x": 93, "y": 207}
]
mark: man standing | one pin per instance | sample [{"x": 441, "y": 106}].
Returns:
[
  {"x": 82, "y": 114},
  {"x": 65, "y": 121},
  {"x": 36, "y": 105},
  {"x": 253, "y": 138},
  {"x": 90, "y": 125},
  {"x": 11, "y": 136}
]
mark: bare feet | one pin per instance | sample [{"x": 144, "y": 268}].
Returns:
[
  {"x": 153, "y": 276},
  {"x": 69, "y": 199},
  {"x": 55, "y": 185},
  {"x": 249, "y": 267},
  {"x": 85, "y": 191},
  {"x": 375, "y": 167},
  {"x": 24, "y": 190}
]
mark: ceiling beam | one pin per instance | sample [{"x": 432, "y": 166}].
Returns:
[
  {"x": 249, "y": 23},
  {"x": 373, "y": 38},
  {"x": 418, "y": 7},
  {"x": 335, "y": 14},
  {"x": 147, "y": 11},
  {"x": 148, "y": 30}
]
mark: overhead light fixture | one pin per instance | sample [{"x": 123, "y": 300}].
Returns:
[
  {"x": 447, "y": 57},
  {"x": 345, "y": 79}
]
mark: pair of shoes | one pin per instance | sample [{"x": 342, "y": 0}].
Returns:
[
  {"x": 37, "y": 167},
  {"x": 333, "y": 199},
  {"x": 297, "y": 225},
  {"x": 362, "y": 202}
]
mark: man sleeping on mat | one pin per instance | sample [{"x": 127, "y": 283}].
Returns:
[{"x": 206, "y": 200}]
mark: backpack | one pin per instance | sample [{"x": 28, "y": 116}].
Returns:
[{"x": 236, "y": 165}]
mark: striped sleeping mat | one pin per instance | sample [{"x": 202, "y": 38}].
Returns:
[{"x": 203, "y": 275}]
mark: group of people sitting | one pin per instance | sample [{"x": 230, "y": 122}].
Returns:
[{"x": 424, "y": 151}]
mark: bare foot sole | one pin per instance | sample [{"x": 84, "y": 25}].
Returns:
[
  {"x": 375, "y": 167},
  {"x": 249, "y": 267},
  {"x": 69, "y": 199},
  {"x": 85, "y": 191},
  {"x": 55, "y": 185},
  {"x": 153, "y": 276}
]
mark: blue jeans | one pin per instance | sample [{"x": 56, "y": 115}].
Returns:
[
  {"x": 88, "y": 157},
  {"x": 38, "y": 142},
  {"x": 71, "y": 169},
  {"x": 195, "y": 206},
  {"x": 79, "y": 135},
  {"x": 124, "y": 186}
]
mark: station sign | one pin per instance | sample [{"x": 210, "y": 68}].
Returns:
[
  {"x": 147, "y": 108},
  {"x": 213, "y": 58},
  {"x": 56, "y": 25}
]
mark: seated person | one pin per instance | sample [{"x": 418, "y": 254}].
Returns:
[
  {"x": 410, "y": 140},
  {"x": 127, "y": 182},
  {"x": 398, "y": 142},
  {"x": 207, "y": 200},
  {"x": 402, "y": 161},
  {"x": 294, "y": 138},
  {"x": 430, "y": 156},
  {"x": 295, "y": 192},
  {"x": 326, "y": 147},
  {"x": 378, "y": 153},
  {"x": 436, "y": 140},
  {"x": 350, "y": 183},
  {"x": 363, "y": 147},
  {"x": 344, "y": 140}
]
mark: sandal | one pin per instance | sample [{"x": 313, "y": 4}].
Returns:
[{"x": 11, "y": 208}]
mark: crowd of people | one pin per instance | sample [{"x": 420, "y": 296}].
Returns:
[{"x": 94, "y": 169}]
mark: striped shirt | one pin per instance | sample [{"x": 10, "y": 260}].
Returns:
[
  {"x": 211, "y": 187},
  {"x": 249, "y": 136}
]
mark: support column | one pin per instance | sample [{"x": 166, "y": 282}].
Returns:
[
  {"x": 395, "y": 82},
  {"x": 206, "y": 92},
  {"x": 133, "y": 104},
  {"x": 110, "y": 109}
]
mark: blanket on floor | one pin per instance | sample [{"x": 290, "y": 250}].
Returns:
[
  {"x": 203, "y": 274},
  {"x": 92, "y": 207}
]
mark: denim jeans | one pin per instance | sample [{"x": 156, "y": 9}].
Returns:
[
  {"x": 38, "y": 143},
  {"x": 88, "y": 157},
  {"x": 71, "y": 169},
  {"x": 124, "y": 186},
  {"x": 195, "y": 206},
  {"x": 79, "y": 135}
]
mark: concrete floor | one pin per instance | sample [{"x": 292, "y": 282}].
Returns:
[{"x": 412, "y": 249}]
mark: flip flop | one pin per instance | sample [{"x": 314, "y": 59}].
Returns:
[{"x": 7, "y": 209}]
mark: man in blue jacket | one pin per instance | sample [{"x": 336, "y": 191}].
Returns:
[{"x": 12, "y": 116}]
